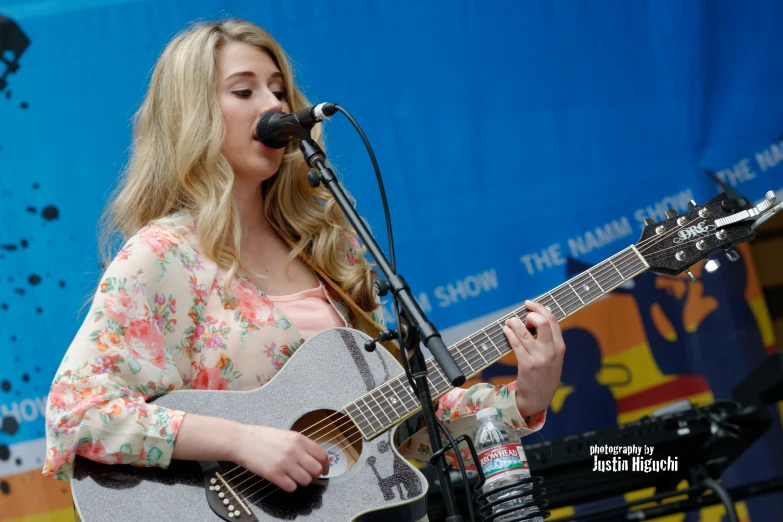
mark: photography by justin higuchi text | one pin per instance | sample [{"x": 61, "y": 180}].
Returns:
[{"x": 630, "y": 458}]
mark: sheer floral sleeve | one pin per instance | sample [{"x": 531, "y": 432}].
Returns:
[
  {"x": 458, "y": 410},
  {"x": 129, "y": 349}
]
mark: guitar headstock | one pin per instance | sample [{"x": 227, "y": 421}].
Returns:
[{"x": 677, "y": 243}]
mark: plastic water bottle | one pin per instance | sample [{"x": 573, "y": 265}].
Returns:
[{"x": 503, "y": 461}]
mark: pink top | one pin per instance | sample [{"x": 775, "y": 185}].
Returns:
[{"x": 309, "y": 310}]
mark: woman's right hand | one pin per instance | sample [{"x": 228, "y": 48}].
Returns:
[{"x": 285, "y": 458}]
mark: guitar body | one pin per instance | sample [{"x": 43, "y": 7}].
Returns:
[{"x": 327, "y": 372}]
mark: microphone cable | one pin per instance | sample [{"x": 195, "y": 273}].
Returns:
[{"x": 403, "y": 351}]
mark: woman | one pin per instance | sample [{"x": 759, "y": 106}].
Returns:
[{"x": 208, "y": 214}]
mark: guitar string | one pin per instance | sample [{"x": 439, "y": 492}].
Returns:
[
  {"x": 565, "y": 305},
  {"x": 595, "y": 272},
  {"x": 491, "y": 329},
  {"x": 490, "y": 335},
  {"x": 347, "y": 432},
  {"x": 377, "y": 404},
  {"x": 275, "y": 487},
  {"x": 600, "y": 270},
  {"x": 353, "y": 429},
  {"x": 339, "y": 423},
  {"x": 676, "y": 246},
  {"x": 659, "y": 237},
  {"x": 608, "y": 267}
]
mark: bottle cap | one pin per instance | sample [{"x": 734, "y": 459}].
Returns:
[{"x": 485, "y": 413}]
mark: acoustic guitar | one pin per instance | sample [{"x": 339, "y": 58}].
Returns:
[{"x": 351, "y": 401}]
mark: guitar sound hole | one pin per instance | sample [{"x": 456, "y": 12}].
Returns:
[{"x": 337, "y": 434}]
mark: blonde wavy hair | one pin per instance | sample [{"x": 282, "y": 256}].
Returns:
[{"x": 176, "y": 164}]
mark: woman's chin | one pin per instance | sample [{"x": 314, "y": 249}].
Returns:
[{"x": 255, "y": 175}]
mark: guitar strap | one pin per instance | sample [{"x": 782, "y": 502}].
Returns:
[{"x": 362, "y": 320}]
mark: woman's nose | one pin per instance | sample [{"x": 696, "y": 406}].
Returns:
[{"x": 271, "y": 103}]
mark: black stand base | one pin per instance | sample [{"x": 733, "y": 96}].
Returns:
[
  {"x": 436, "y": 510},
  {"x": 537, "y": 500}
]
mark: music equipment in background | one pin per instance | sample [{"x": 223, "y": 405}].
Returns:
[
  {"x": 704, "y": 440},
  {"x": 567, "y": 465},
  {"x": 361, "y": 405}
]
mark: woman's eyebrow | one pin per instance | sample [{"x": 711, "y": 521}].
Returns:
[{"x": 251, "y": 74}]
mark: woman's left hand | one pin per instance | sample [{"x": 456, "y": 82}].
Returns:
[{"x": 540, "y": 361}]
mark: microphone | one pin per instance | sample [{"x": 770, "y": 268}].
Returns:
[{"x": 275, "y": 128}]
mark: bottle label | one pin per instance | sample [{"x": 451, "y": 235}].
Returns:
[{"x": 502, "y": 459}]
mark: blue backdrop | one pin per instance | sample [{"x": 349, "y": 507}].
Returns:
[{"x": 511, "y": 136}]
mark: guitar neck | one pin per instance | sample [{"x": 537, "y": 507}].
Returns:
[{"x": 394, "y": 401}]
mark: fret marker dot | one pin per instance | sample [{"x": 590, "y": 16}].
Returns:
[
  {"x": 586, "y": 287},
  {"x": 485, "y": 346},
  {"x": 394, "y": 401}
]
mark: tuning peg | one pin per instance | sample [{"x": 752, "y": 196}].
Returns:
[
  {"x": 671, "y": 213},
  {"x": 734, "y": 204},
  {"x": 692, "y": 204},
  {"x": 649, "y": 221},
  {"x": 712, "y": 265},
  {"x": 690, "y": 274},
  {"x": 732, "y": 255}
]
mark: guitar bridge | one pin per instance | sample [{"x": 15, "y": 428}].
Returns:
[{"x": 222, "y": 498}]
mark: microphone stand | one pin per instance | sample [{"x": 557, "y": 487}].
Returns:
[{"x": 420, "y": 327}]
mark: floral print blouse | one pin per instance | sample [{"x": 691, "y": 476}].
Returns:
[{"x": 160, "y": 322}]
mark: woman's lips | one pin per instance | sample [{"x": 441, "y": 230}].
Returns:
[{"x": 264, "y": 147}]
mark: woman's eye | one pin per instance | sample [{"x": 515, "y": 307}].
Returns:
[
  {"x": 281, "y": 95},
  {"x": 244, "y": 93}
]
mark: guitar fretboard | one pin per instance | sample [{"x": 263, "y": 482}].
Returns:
[{"x": 394, "y": 401}]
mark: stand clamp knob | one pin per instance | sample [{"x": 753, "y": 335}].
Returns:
[{"x": 386, "y": 335}]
